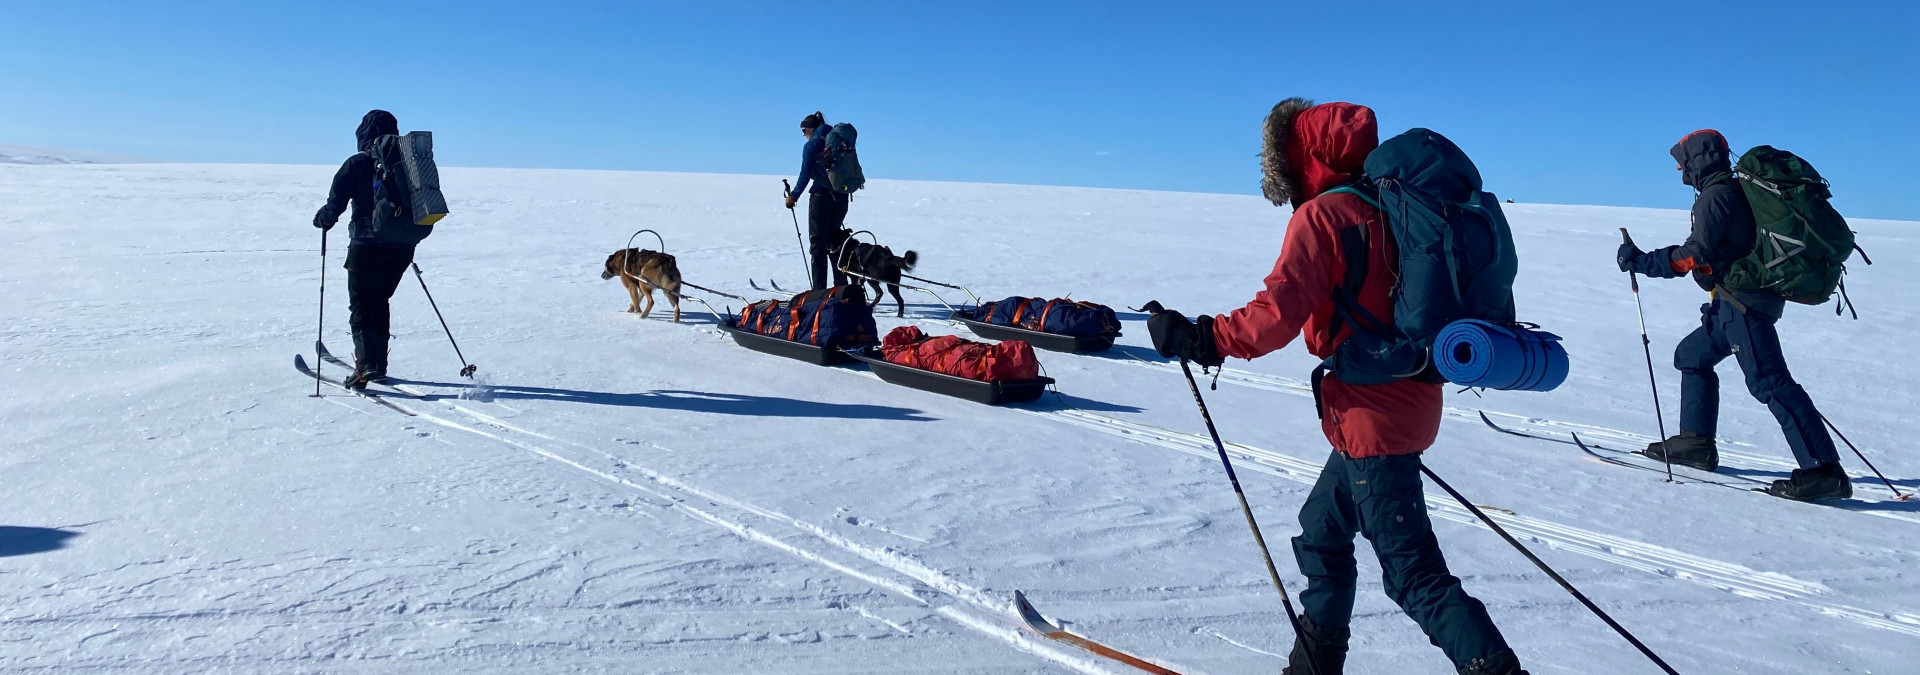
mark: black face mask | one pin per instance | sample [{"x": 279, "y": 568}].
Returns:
[{"x": 1685, "y": 178}]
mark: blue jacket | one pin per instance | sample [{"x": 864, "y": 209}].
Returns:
[{"x": 810, "y": 169}]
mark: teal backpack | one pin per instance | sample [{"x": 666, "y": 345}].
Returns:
[
  {"x": 841, "y": 160},
  {"x": 1456, "y": 259}
]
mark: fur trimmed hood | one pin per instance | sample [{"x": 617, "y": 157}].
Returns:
[
  {"x": 1309, "y": 148},
  {"x": 1278, "y": 183}
]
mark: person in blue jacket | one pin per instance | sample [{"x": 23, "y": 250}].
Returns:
[
  {"x": 826, "y": 209},
  {"x": 1740, "y": 325}
]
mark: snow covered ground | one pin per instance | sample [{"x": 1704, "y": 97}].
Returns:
[{"x": 636, "y": 496}]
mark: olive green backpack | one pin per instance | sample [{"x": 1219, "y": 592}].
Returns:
[{"x": 1803, "y": 244}]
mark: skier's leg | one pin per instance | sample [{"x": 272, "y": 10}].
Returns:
[
  {"x": 361, "y": 309},
  {"x": 1757, "y": 347},
  {"x": 837, "y": 212},
  {"x": 817, "y": 247},
  {"x": 1391, "y": 503},
  {"x": 387, "y": 267},
  {"x": 1696, "y": 356},
  {"x": 1324, "y": 549}
]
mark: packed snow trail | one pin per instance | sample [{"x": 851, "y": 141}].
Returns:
[{"x": 217, "y": 517}]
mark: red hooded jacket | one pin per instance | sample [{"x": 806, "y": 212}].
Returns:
[{"x": 1326, "y": 147}]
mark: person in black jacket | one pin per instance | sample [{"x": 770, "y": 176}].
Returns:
[
  {"x": 826, "y": 209},
  {"x": 1740, "y": 325},
  {"x": 377, "y": 258}
]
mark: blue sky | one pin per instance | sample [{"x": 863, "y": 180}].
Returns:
[{"x": 1558, "y": 102}]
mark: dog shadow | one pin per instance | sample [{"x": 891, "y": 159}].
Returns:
[
  {"x": 30, "y": 540},
  {"x": 744, "y": 405}
]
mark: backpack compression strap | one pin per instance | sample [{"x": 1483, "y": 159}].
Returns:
[{"x": 1346, "y": 295}]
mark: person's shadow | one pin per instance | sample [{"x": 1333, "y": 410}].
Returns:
[
  {"x": 29, "y": 540},
  {"x": 691, "y": 401}
]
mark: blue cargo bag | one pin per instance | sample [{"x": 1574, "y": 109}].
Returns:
[
  {"x": 1058, "y": 316},
  {"x": 835, "y": 317}
]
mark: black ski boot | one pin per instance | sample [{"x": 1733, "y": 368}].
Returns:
[
  {"x": 1688, "y": 449},
  {"x": 364, "y": 373},
  {"x": 1327, "y": 647},
  {"x": 1825, "y": 482},
  {"x": 1502, "y": 662}
]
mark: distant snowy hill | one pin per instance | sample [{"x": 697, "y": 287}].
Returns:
[
  {"x": 633, "y": 496},
  {"x": 21, "y": 154}
]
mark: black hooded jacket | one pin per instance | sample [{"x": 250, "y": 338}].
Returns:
[
  {"x": 354, "y": 181},
  {"x": 1723, "y": 225}
]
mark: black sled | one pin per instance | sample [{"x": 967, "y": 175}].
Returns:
[
  {"x": 978, "y": 391},
  {"x": 1048, "y": 341},
  {"x": 814, "y": 354}
]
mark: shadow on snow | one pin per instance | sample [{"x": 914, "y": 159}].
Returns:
[
  {"x": 29, "y": 540},
  {"x": 692, "y": 401}
]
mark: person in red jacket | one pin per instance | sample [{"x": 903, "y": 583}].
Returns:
[{"x": 1371, "y": 483}]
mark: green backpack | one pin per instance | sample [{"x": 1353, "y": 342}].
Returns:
[{"x": 1802, "y": 245}]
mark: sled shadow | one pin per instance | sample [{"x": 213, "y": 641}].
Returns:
[
  {"x": 691, "y": 401},
  {"x": 29, "y": 540},
  {"x": 1091, "y": 405}
]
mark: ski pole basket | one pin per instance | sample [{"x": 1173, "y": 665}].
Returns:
[{"x": 995, "y": 392}]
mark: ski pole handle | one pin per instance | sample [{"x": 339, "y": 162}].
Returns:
[
  {"x": 787, "y": 190},
  {"x": 1624, "y": 237}
]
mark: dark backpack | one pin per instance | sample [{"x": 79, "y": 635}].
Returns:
[
  {"x": 1802, "y": 245},
  {"x": 1456, "y": 259},
  {"x": 406, "y": 188},
  {"x": 841, "y": 160}
]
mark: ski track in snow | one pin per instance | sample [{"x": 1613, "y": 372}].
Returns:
[{"x": 922, "y": 584}]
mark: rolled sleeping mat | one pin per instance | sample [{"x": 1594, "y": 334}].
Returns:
[{"x": 1476, "y": 353}]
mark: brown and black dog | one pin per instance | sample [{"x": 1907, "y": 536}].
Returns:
[
  {"x": 642, "y": 271},
  {"x": 879, "y": 264}
]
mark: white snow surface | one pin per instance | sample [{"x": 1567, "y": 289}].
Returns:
[{"x": 637, "y": 496}]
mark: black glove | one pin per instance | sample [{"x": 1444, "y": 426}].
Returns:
[
  {"x": 1628, "y": 256},
  {"x": 1175, "y": 336},
  {"x": 325, "y": 218}
]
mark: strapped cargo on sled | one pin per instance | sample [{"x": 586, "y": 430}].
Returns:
[
  {"x": 814, "y": 326},
  {"x": 983, "y": 373},
  {"x": 1059, "y": 324}
]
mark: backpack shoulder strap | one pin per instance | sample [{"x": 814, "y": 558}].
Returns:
[{"x": 1346, "y": 294}]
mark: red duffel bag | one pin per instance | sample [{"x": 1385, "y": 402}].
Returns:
[{"x": 960, "y": 357}]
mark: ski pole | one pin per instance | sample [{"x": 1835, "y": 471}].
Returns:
[
  {"x": 321, "y": 325},
  {"x": 466, "y": 369},
  {"x": 1577, "y": 595},
  {"x": 804, "y": 260},
  {"x": 1897, "y": 496},
  {"x": 1646, "y": 347},
  {"x": 1272, "y": 573}
]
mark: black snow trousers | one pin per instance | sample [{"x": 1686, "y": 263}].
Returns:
[
  {"x": 826, "y": 229},
  {"x": 1750, "y": 338},
  {"x": 373, "y": 273},
  {"x": 1382, "y": 498}
]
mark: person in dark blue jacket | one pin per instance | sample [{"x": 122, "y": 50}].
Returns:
[
  {"x": 826, "y": 209},
  {"x": 1740, "y": 325},
  {"x": 376, "y": 259}
]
